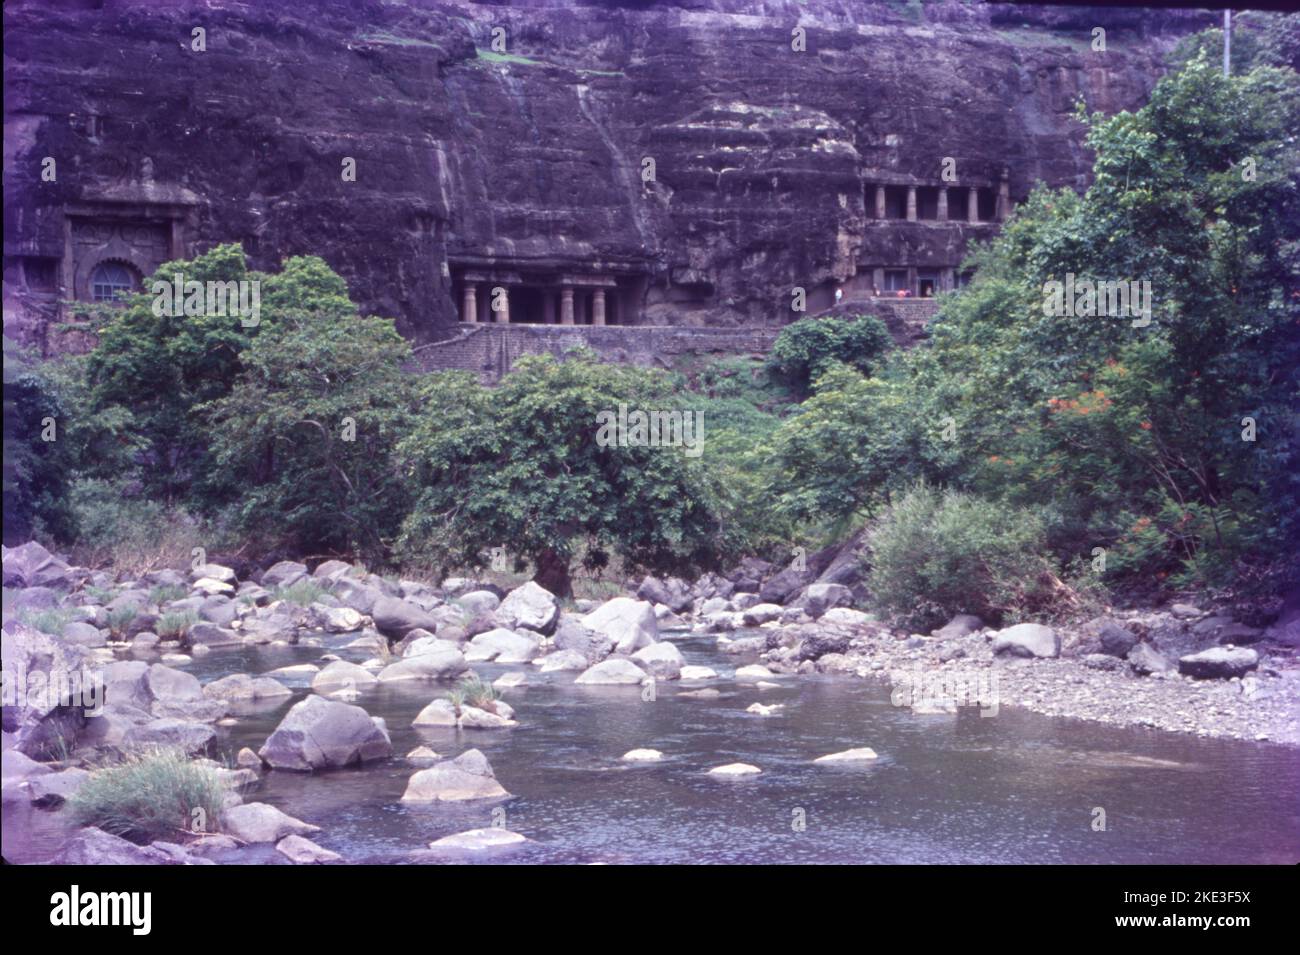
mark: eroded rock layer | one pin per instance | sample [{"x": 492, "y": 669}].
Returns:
[{"x": 679, "y": 163}]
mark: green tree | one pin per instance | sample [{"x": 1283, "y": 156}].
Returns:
[
  {"x": 306, "y": 434},
  {"x": 806, "y": 348},
  {"x": 520, "y": 467},
  {"x": 158, "y": 368}
]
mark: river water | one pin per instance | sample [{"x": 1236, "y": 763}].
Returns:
[{"x": 1017, "y": 787}]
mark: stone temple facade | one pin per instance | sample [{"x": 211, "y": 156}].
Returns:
[{"x": 665, "y": 164}]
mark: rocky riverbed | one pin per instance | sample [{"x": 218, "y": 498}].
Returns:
[{"x": 342, "y": 640}]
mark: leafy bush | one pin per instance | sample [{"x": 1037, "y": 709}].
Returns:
[
  {"x": 939, "y": 553},
  {"x": 149, "y": 795},
  {"x": 805, "y": 349}
]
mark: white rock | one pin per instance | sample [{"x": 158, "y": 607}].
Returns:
[
  {"x": 563, "y": 660},
  {"x": 505, "y": 646},
  {"x": 663, "y": 660},
  {"x": 698, "y": 673},
  {"x": 615, "y": 672},
  {"x": 760, "y": 614},
  {"x": 761, "y": 709},
  {"x": 211, "y": 587},
  {"x": 531, "y": 607},
  {"x": 258, "y": 822},
  {"x": 479, "y": 840},
  {"x": 642, "y": 755},
  {"x": 845, "y": 616},
  {"x": 860, "y": 755},
  {"x": 342, "y": 674},
  {"x": 467, "y": 777},
  {"x": 630, "y": 624},
  {"x": 735, "y": 769},
  {"x": 755, "y": 671}
]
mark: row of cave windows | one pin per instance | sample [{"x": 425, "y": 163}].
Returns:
[
  {"x": 927, "y": 202},
  {"x": 113, "y": 281}
]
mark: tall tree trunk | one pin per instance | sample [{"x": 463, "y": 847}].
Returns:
[{"x": 553, "y": 573}]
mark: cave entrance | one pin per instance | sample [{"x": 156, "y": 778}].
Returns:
[{"x": 927, "y": 283}]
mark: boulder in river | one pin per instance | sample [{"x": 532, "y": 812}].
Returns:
[
  {"x": 817, "y": 598},
  {"x": 529, "y": 607},
  {"x": 341, "y": 674},
  {"x": 859, "y": 755},
  {"x": 302, "y": 851},
  {"x": 562, "y": 660},
  {"x": 572, "y": 634},
  {"x": 629, "y": 624},
  {"x": 240, "y": 686},
  {"x": 503, "y": 646},
  {"x": 642, "y": 756},
  {"x": 318, "y": 733},
  {"x": 672, "y": 592},
  {"x": 467, "y": 777},
  {"x": 395, "y": 617},
  {"x": 615, "y": 672},
  {"x": 432, "y": 665},
  {"x": 259, "y": 822},
  {"x": 479, "y": 840},
  {"x": 735, "y": 769},
  {"x": 663, "y": 660}
]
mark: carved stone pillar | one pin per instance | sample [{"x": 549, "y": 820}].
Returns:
[
  {"x": 566, "y": 306},
  {"x": 598, "y": 307},
  {"x": 943, "y": 203},
  {"x": 973, "y": 204},
  {"x": 911, "y": 203},
  {"x": 469, "y": 304},
  {"x": 880, "y": 202},
  {"x": 1004, "y": 198},
  {"x": 503, "y": 313}
]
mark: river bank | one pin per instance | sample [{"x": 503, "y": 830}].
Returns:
[{"x": 352, "y": 717}]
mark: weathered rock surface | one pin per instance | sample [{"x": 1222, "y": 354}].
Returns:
[
  {"x": 467, "y": 777},
  {"x": 318, "y": 733},
  {"x": 1219, "y": 663},
  {"x": 259, "y": 822},
  {"x": 529, "y": 607},
  {"x": 1028, "y": 640},
  {"x": 616, "y": 672},
  {"x": 629, "y": 624}
]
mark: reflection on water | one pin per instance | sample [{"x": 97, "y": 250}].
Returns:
[{"x": 946, "y": 789}]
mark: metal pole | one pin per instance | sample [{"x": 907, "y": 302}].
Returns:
[{"x": 1227, "y": 42}]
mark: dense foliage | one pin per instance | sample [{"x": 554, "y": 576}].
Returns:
[
  {"x": 1023, "y": 440},
  {"x": 1171, "y": 443},
  {"x": 523, "y": 468},
  {"x": 806, "y": 349}
]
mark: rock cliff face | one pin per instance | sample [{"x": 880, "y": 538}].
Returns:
[{"x": 682, "y": 151}]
